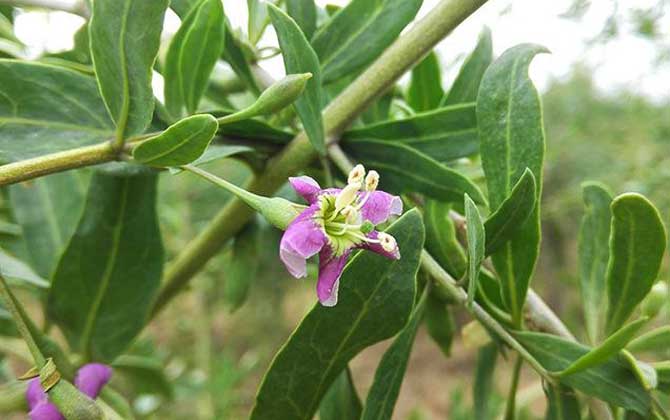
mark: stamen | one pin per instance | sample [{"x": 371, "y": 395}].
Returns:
[
  {"x": 350, "y": 213},
  {"x": 387, "y": 242},
  {"x": 371, "y": 181},
  {"x": 347, "y": 196},
  {"x": 356, "y": 175}
]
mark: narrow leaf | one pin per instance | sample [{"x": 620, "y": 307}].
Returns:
[
  {"x": 107, "y": 278},
  {"x": 512, "y": 213},
  {"x": 511, "y": 133},
  {"x": 192, "y": 55},
  {"x": 383, "y": 394},
  {"x": 304, "y": 14},
  {"x": 465, "y": 87},
  {"x": 47, "y": 109},
  {"x": 483, "y": 385},
  {"x": 444, "y": 134},
  {"x": 611, "y": 381},
  {"x": 368, "y": 311},
  {"x": 441, "y": 238},
  {"x": 299, "y": 57},
  {"x": 125, "y": 36},
  {"x": 242, "y": 267},
  {"x": 258, "y": 20},
  {"x": 406, "y": 169},
  {"x": 440, "y": 323},
  {"x": 476, "y": 245},
  {"x": 234, "y": 55},
  {"x": 425, "y": 87},
  {"x": 608, "y": 348},
  {"x": 562, "y": 403},
  {"x": 15, "y": 270},
  {"x": 217, "y": 152},
  {"x": 644, "y": 372},
  {"x": 180, "y": 144},
  {"x": 655, "y": 340},
  {"x": 637, "y": 243},
  {"x": 593, "y": 251},
  {"x": 341, "y": 402},
  {"x": 359, "y": 32},
  {"x": 48, "y": 210}
]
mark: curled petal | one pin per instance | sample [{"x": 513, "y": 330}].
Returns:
[
  {"x": 34, "y": 394},
  {"x": 379, "y": 206},
  {"x": 303, "y": 239},
  {"x": 45, "y": 411},
  {"x": 92, "y": 377},
  {"x": 306, "y": 187},
  {"x": 330, "y": 270},
  {"x": 377, "y": 248}
]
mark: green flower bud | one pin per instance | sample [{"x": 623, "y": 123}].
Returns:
[{"x": 655, "y": 300}]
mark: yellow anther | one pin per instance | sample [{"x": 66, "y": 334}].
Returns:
[
  {"x": 371, "y": 181},
  {"x": 387, "y": 242},
  {"x": 356, "y": 175},
  {"x": 347, "y": 196}
]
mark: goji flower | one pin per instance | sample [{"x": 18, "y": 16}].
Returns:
[{"x": 337, "y": 222}]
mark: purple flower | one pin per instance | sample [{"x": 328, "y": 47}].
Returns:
[
  {"x": 337, "y": 222},
  {"x": 90, "y": 379}
]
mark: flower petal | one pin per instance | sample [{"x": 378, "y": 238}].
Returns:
[
  {"x": 380, "y": 206},
  {"x": 330, "y": 270},
  {"x": 306, "y": 187},
  {"x": 34, "y": 393},
  {"x": 45, "y": 411},
  {"x": 303, "y": 239},
  {"x": 92, "y": 377},
  {"x": 377, "y": 248}
]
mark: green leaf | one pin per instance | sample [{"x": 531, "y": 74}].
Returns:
[
  {"x": 48, "y": 210},
  {"x": 258, "y": 20},
  {"x": 45, "y": 109},
  {"x": 483, "y": 386},
  {"x": 192, "y": 55},
  {"x": 341, "y": 402},
  {"x": 234, "y": 55},
  {"x": 146, "y": 375},
  {"x": 425, "y": 87},
  {"x": 441, "y": 239},
  {"x": 562, "y": 403},
  {"x": 403, "y": 168},
  {"x": 637, "y": 243},
  {"x": 440, "y": 323},
  {"x": 182, "y": 7},
  {"x": 383, "y": 394},
  {"x": 611, "y": 381},
  {"x": 304, "y": 14},
  {"x": 509, "y": 114},
  {"x": 593, "y": 251},
  {"x": 444, "y": 134},
  {"x": 645, "y": 373},
  {"x": 663, "y": 371},
  {"x": 607, "y": 349},
  {"x": 358, "y": 33},
  {"x": 368, "y": 311},
  {"x": 125, "y": 36},
  {"x": 299, "y": 57},
  {"x": 13, "y": 269},
  {"x": 180, "y": 144},
  {"x": 253, "y": 129},
  {"x": 216, "y": 152},
  {"x": 655, "y": 340},
  {"x": 465, "y": 87},
  {"x": 476, "y": 245},
  {"x": 242, "y": 267},
  {"x": 104, "y": 285},
  {"x": 512, "y": 213}
]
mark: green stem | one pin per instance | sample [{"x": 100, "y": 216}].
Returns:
[
  {"x": 402, "y": 55},
  {"x": 251, "y": 199},
  {"x": 510, "y": 409},
  {"x": 13, "y": 306}
]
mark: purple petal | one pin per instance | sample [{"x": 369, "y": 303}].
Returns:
[
  {"x": 380, "y": 206},
  {"x": 45, "y": 411},
  {"x": 330, "y": 270},
  {"x": 377, "y": 248},
  {"x": 306, "y": 187},
  {"x": 92, "y": 377},
  {"x": 303, "y": 239},
  {"x": 34, "y": 393}
]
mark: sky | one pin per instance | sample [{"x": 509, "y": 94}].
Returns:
[{"x": 627, "y": 61}]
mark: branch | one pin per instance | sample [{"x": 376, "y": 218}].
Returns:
[{"x": 401, "y": 56}]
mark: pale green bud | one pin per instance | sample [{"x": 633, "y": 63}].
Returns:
[{"x": 658, "y": 297}]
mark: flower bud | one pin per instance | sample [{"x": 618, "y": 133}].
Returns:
[
  {"x": 371, "y": 181},
  {"x": 658, "y": 297},
  {"x": 347, "y": 195},
  {"x": 387, "y": 242},
  {"x": 281, "y": 94},
  {"x": 356, "y": 175}
]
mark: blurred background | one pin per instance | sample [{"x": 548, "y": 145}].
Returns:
[{"x": 606, "y": 116}]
